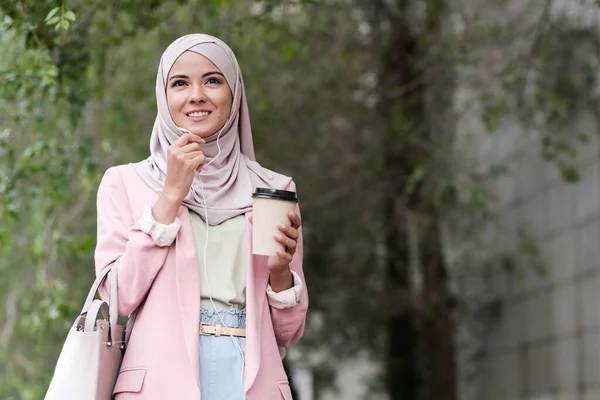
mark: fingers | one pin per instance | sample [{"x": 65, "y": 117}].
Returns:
[
  {"x": 185, "y": 157},
  {"x": 190, "y": 153},
  {"x": 285, "y": 256},
  {"x": 187, "y": 138},
  {"x": 289, "y": 231},
  {"x": 295, "y": 219},
  {"x": 191, "y": 146},
  {"x": 288, "y": 237},
  {"x": 198, "y": 161},
  {"x": 193, "y": 155},
  {"x": 287, "y": 241}
]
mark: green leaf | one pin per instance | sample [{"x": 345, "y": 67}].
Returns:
[
  {"x": 478, "y": 196},
  {"x": 570, "y": 173},
  {"x": 70, "y": 15},
  {"x": 64, "y": 24},
  {"x": 51, "y": 14},
  {"x": 52, "y": 20},
  {"x": 290, "y": 51}
]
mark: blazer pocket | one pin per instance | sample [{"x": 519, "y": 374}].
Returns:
[
  {"x": 285, "y": 390},
  {"x": 130, "y": 380}
]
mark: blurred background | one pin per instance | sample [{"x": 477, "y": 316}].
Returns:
[{"x": 447, "y": 160}]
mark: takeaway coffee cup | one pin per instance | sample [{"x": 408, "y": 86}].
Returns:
[{"x": 270, "y": 207}]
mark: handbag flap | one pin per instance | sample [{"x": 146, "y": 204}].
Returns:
[{"x": 130, "y": 380}]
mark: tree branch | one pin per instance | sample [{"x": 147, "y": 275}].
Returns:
[
  {"x": 12, "y": 301},
  {"x": 84, "y": 20}
]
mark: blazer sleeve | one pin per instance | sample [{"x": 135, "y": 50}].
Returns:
[
  {"x": 140, "y": 259},
  {"x": 288, "y": 323}
]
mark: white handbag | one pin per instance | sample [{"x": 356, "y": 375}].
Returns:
[{"x": 90, "y": 359}]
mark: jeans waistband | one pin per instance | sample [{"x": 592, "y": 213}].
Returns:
[{"x": 233, "y": 317}]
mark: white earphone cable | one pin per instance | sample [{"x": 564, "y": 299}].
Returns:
[{"x": 231, "y": 337}]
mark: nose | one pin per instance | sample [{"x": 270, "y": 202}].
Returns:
[{"x": 197, "y": 94}]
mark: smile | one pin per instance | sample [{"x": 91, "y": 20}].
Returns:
[{"x": 196, "y": 114}]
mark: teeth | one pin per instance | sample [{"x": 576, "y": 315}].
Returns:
[{"x": 198, "y": 114}]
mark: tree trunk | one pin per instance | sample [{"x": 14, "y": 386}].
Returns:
[
  {"x": 438, "y": 323},
  {"x": 404, "y": 109},
  {"x": 403, "y": 376}
]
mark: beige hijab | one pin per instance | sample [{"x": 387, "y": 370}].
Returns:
[{"x": 230, "y": 178}]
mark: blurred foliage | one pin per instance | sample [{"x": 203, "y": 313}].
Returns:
[{"x": 77, "y": 96}]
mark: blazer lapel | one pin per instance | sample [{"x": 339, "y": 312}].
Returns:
[{"x": 257, "y": 276}]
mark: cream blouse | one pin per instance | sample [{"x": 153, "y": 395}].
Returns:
[
  {"x": 224, "y": 275},
  {"x": 223, "y": 278}
]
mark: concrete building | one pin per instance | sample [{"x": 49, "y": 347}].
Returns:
[{"x": 543, "y": 342}]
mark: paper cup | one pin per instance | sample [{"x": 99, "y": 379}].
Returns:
[{"x": 270, "y": 207}]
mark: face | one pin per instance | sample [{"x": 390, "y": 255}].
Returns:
[{"x": 198, "y": 95}]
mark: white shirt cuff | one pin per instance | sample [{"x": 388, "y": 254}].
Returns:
[
  {"x": 162, "y": 235},
  {"x": 286, "y": 298}
]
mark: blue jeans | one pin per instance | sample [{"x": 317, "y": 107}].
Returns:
[{"x": 221, "y": 363}]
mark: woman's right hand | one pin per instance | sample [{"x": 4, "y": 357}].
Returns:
[{"x": 184, "y": 158}]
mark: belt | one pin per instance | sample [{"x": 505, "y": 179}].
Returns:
[{"x": 218, "y": 330}]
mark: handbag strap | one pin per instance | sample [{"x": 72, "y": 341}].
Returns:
[
  {"x": 113, "y": 311},
  {"x": 94, "y": 289},
  {"x": 97, "y": 306},
  {"x": 92, "y": 306}
]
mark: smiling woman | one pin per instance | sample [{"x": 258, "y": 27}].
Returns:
[
  {"x": 198, "y": 95},
  {"x": 213, "y": 319}
]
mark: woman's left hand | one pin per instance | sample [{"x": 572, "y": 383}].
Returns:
[{"x": 288, "y": 237}]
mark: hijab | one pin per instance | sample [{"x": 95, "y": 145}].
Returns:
[{"x": 229, "y": 179}]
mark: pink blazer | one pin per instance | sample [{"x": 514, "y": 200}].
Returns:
[{"x": 161, "y": 361}]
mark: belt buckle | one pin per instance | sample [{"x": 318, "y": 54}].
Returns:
[
  {"x": 217, "y": 331},
  {"x": 203, "y": 329}
]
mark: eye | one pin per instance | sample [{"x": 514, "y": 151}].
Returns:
[
  {"x": 213, "y": 80},
  {"x": 178, "y": 82}
]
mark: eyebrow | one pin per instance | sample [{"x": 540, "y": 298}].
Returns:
[{"x": 179, "y": 76}]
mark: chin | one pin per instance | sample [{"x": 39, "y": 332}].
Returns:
[
  {"x": 201, "y": 133},
  {"x": 196, "y": 132}
]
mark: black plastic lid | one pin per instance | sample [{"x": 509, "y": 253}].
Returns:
[{"x": 275, "y": 194}]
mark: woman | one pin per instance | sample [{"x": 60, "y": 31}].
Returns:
[{"x": 212, "y": 318}]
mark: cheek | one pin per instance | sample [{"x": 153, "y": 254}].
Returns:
[
  {"x": 222, "y": 99},
  {"x": 225, "y": 105},
  {"x": 174, "y": 101}
]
